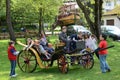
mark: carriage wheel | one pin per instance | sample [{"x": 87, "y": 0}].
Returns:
[
  {"x": 27, "y": 61},
  {"x": 63, "y": 64},
  {"x": 87, "y": 60}
]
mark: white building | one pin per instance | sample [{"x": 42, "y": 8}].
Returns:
[
  {"x": 110, "y": 4},
  {"x": 112, "y": 17}
]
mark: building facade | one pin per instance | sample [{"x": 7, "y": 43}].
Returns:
[
  {"x": 112, "y": 17},
  {"x": 110, "y": 4}
]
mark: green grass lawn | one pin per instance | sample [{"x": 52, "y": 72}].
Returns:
[{"x": 75, "y": 72}]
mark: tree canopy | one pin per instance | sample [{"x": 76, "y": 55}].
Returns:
[
  {"x": 36, "y": 11},
  {"x": 92, "y": 10},
  {"x": 27, "y": 11}
]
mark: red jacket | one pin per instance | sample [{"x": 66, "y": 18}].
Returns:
[
  {"x": 103, "y": 44},
  {"x": 11, "y": 50}
]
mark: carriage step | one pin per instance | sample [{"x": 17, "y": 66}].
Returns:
[
  {"x": 75, "y": 54},
  {"x": 64, "y": 63},
  {"x": 45, "y": 59}
]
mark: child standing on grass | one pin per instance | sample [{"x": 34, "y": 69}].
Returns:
[
  {"x": 12, "y": 56},
  {"x": 103, "y": 54}
]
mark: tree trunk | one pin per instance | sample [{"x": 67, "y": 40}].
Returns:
[
  {"x": 9, "y": 23},
  {"x": 94, "y": 25},
  {"x": 98, "y": 15},
  {"x": 40, "y": 21},
  {"x": 86, "y": 14},
  {"x": 41, "y": 28},
  {"x": 0, "y": 21}
]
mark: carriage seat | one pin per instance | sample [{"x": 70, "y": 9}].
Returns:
[{"x": 61, "y": 44}]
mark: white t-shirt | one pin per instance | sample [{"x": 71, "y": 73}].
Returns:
[
  {"x": 94, "y": 44},
  {"x": 91, "y": 43}
]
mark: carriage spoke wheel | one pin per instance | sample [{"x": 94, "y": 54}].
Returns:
[
  {"x": 27, "y": 61},
  {"x": 87, "y": 61},
  {"x": 63, "y": 64}
]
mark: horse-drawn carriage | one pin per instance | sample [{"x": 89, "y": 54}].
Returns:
[{"x": 29, "y": 59}]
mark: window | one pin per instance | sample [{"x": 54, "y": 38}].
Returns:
[
  {"x": 108, "y": 3},
  {"x": 110, "y": 22}
]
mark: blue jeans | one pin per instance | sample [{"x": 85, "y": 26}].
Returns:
[
  {"x": 103, "y": 63},
  {"x": 13, "y": 65}
]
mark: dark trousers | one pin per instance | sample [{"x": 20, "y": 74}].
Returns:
[
  {"x": 70, "y": 45},
  {"x": 13, "y": 65}
]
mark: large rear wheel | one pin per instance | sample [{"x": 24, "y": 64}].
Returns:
[
  {"x": 27, "y": 61},
  {"x": 63, "y": 64}
]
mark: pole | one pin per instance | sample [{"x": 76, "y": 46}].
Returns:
[
  {"x": 98, "y": 15},
  {"x": 40, "y": 20}
]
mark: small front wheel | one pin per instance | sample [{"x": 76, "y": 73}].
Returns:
[{"x": 87, "y": 60}]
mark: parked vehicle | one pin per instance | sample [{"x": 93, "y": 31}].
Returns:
[
  {"x": 77, "y": 28},
  {"x": 111, "y": 31}
]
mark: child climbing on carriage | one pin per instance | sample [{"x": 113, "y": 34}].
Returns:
[
  {"x": 36, "y": 44},
  {"x": 47, "y": 46}
]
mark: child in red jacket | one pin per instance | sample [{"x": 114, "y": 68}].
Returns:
[{"x": 12, "y": 53}]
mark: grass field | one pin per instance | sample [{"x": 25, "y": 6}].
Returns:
[{"x": 75, "y": 72}]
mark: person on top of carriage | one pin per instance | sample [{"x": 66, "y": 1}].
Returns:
[
  {"x": 76, "y": 37},
  {"x": 36, "y": 43},
  {"x": 41, "y": 49},
  {"x": 47, "y": 46},
  {"x": 30, "y": 43},
  {"x": 63, "y": 38},
  {"x": 94, "y": 43},
  {"x": 88, "y": 41},
  {"x": 63, "y": 35}
]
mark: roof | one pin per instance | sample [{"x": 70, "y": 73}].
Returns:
[{"x": 115, "y": 11}]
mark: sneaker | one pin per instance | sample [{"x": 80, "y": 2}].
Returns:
[
  {"x": 103, "y": 72},
  {"x": 108, "y": 70},
  {"x": 14, "y": 75}
]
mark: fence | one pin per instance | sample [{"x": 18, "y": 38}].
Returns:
[{"x": 18, "y": 34}]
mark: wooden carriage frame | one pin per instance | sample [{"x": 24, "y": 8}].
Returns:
[{"x": 29, "y": 59}]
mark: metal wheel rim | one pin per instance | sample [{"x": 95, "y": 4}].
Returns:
[{"x": 27, "y": 61}]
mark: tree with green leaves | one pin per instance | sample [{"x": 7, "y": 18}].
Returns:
[
  {"x": 34, "y": 11},
  {"x": 92, "y": 10},
  {"x": 2, "y": 11},
  {"x": 47, "y": 11}
]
